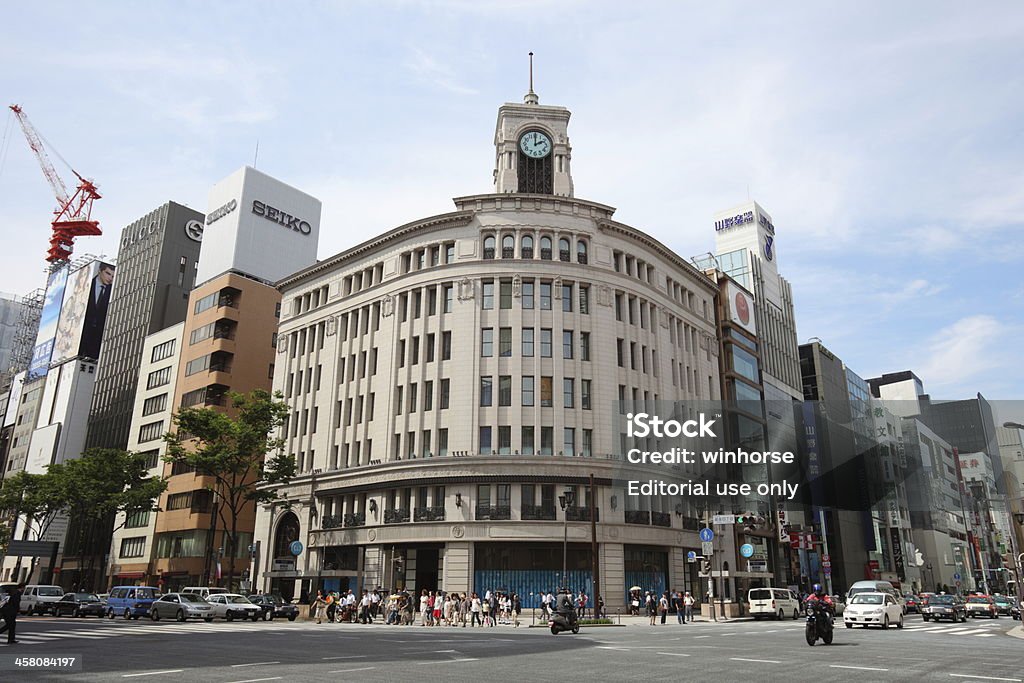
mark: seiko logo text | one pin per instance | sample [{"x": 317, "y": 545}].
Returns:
[
  {"x": 222, "y": 211},
  {"x": 280, "y": 217}
]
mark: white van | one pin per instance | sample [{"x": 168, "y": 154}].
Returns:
[
  {"x": 773, "y": 602},
  {"x": 39, "y": 599},
  {"x": 204, "y": 591}
]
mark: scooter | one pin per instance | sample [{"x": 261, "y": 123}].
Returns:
[{"x": 559, "y": 622}]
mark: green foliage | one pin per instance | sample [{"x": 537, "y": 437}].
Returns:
[
  {"x": 592, "y": 622},
  {"x": 34, "y": 497},
  {"x": 103, "y": 482}
]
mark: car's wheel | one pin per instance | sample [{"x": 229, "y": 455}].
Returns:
[
  {"x": 267, "y": 616},
  {"x": 924, "y": 617},
  {"x": 292, "y": 617},
  {"x": 757, "y": 617},
  {"x": 849, "y": 626},
  {"x": 154, "y": 615},
  {"x": 229, "y": 617},
  {"x": 77, "y": 613},
  {"x": 899, "y": 624},
  {"x": 885, "y": 622},
  {"x": 208, "y": 620},
  {"x": 780, "y": 616},
  {"x": 127, "y": 614},
  {"x": 963, "y": 619},
  {"x": 110, "y": 613},
  {"x": 180, "y": 616},
  {"x": 796, "y": 614},
  {"x": 255, "y": 616}
]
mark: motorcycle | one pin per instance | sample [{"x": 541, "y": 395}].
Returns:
[
  {"x": 559, "y": 622},
  {"x": 819, "y": 623}
]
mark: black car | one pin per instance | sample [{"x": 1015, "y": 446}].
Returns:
[
  {"x": 79, "y": 605},
  {"x": 1004, "y": 604},
  {"x": 944, "y": 607},
  {"x": 275, "y": 606}
]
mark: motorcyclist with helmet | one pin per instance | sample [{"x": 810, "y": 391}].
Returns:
[
  {"x": 564, "y": 605},
  {"x": 819, "y": 595}
]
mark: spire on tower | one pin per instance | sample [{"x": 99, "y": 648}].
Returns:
[{"x": 531, "y": 97}]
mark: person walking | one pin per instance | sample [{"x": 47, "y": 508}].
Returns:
[
  {"x": 424, "y": 607},
  {"x": 517, "y": 608},
  {"x": 652, "y": 607},
  {"x": 9, "y": 612},
  {"x": 320, "y": 607},
  {"x": 688, "y": 607},
  {"x": 663, "y": 606},
  {"x": 475, "y": 609},
  {"x": 677, "y": 606}
]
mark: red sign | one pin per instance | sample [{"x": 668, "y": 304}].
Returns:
[{"x": 825, "y": 559}]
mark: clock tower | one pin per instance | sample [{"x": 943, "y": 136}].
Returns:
[{"x": 532, "y": 152}]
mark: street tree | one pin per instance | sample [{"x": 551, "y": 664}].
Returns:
[
  {"x": 32, "y": 498},
  {"x": 238, "y": 452},
  {"x": 92, "y": 489}
]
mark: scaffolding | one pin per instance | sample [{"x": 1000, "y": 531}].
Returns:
[{"x": 24, "y": 336}]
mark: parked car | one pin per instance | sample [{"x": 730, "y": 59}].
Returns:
[
  {"x": 982, "y": 606},
  {"x": 1004, "y": 604},
  {"x": 78, "y": 605},
  {"x": 131, "y": 602},
  {"x": 873, "y": 609},
  {"x": 204, "y": 591},
  {"x": 912, "y": 602},
  {"x": 232, "y": 605},
  {"x": 181, "y": 606},
  {"x": 944, "y": 607},
  {"x": 773, "y": 602},
  {"x": 274, "y": 606},
  {"x": 39, "y": 599}
]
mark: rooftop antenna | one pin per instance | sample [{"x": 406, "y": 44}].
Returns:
[{"x": 531, "y": 97}]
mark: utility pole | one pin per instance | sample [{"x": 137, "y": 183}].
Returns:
[{"x": 595, "y": 564}]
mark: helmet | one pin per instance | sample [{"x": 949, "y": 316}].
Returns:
[{"x": 817, "y": 588}]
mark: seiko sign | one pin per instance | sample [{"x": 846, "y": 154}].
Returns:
[
  {"x": 222, "y": 211},
  {"x": 280, "y": 217}
]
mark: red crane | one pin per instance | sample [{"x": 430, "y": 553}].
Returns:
[{"x": 73, "y": 214}]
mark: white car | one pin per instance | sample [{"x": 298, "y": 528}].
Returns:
[
  {"x": 232, "y": 606},
  {"x": 873, "y": 609},
  {"x": 779, "y": 603},
  {"x": 40, "y": 599}
]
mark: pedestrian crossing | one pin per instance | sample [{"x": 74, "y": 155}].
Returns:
[
  {"x": 42, "y": 637},
  {"x": 952, "y": 629}
]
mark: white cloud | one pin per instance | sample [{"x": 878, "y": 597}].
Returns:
[
  {"x": 958, "y": 356},
  {"x": 430, "y": 71}
]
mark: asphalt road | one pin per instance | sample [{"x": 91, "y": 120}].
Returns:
[{"x": 303, "y": 651}]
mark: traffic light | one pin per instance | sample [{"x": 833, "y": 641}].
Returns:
[{"x": 705, "y": 567}]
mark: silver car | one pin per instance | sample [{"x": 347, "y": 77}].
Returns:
[
  {"x": 234, "y": 606},
  {"x": 180, "y": 606}
]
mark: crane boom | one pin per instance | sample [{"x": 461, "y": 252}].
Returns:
[{"x": 73, "y": 215}]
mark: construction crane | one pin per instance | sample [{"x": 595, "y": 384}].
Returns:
[{"x": 73, "y": 215}]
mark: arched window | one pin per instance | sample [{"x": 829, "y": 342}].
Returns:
[
  {"x": 508, "y": 246},
  {"x": 489, "y": 247},
  {"x": 581, "y": 252},
  {"x": 545, "y": 248},
  {"x": 287, "y": 532},
  {"x": 563, "y": 250},
  {"x": 527, "y": 250}
]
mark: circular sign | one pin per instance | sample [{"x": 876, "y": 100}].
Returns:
[
  {"x": 691, "y": 556},
  {"x": 957, "y": 577},
  {"x": 295, "y": 547},
  {"x": 747, "y": 550},
  {"x": 742, "y": 308},
  {"x": 707, "y": 535},
  {"x": 194, "y": 231}
]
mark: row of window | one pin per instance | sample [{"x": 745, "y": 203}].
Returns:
[
  {"x": 411, "y": 394},
  {"x": 308, "y": 301},
  {"x": 630, "y": 265},
  {"x": 529, "y": 445},
  {"x": 638, "y": 355},
  {"x": 163, "y": 351},
  {"x": 428, "y": 256},
  {"x": 133, "y": 547},
  {"x": 528, "y": 340},
  {"x": 308, "y": 339},
  {"x": 428, "y": 355},
  {"x": 533, "y": 294},
  {"x": 228, "y": 297},
  {"x": 198, "y": 500},
  {"x": 529, "y": 389},
  {"x": 526, "y": 248}
]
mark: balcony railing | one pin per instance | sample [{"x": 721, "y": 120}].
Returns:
[
  {"x": 493, "y": 512},
  {"x": 581, "y": 514},
  {"x": 488, "y": 253},
  {"x": 508, "y": 252},
  {"x": 638, "y": 517},
  {"x": 691, "y": 523},
  {"x": 429, "y": 514},
  {"x": 396, "y": 516},
  {"x": 581, "y": 258},
  {"x": 527, "y": 252},
  {"x": 563, "y": 255},
  {"x": 661, "y": 519},
  {"x": 331, "y": 522},
  {"x": 538, "y": 512},
  {"x": 355, "y": 519}
]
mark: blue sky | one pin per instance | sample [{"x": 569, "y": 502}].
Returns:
[{"x": 886, "y": 139}]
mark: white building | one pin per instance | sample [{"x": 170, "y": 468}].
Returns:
[{"x": 450, "y": 378}]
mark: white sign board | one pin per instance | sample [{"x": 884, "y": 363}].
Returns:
[
  {"x": 724, "y": 519},
  {"x": 707, "y": 548}
]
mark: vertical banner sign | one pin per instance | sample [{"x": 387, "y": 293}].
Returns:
[
  {"x": 48, "y": 320},
  {"x": 896, "y": 542}
]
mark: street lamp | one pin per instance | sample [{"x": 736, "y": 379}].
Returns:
[{"x": 565, "y": 501}]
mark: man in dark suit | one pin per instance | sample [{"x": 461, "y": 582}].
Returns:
[
  {"x": 9, "y": 612},
  {"x": 96, "y": 312}
]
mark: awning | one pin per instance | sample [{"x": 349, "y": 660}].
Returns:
[{"x": 130, "y": 575}]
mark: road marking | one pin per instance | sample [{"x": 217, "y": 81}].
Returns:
[
  {"x": 348, "y": 671},
  {"x": 346, "y": 657},
  {"x": 984, "y": 635},
  {"x": 860, "y": 668},
  {"x": 153, "y": 673},
  {"x": 986, "y": 678},
  {"x": 237, "y": 666},
  {"x": 257, "y": 680},
  {"x": 673, "y": 654},
  {"x": 759, "y": 661},
  {"x": 696, "y": 637},
  {"x": 453, "y": 661}
]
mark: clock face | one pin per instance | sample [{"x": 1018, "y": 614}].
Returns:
[{"x": 535, "y": 144}]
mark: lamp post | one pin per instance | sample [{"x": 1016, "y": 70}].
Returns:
[{"x": 565, "y": 501}]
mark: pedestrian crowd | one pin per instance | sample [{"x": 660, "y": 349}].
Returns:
[
  {"x": 435, "y": 608},
  {"x": 658, "y": 607}
]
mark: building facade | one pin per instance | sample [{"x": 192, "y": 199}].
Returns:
[{"x": 449, "y": 380}]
